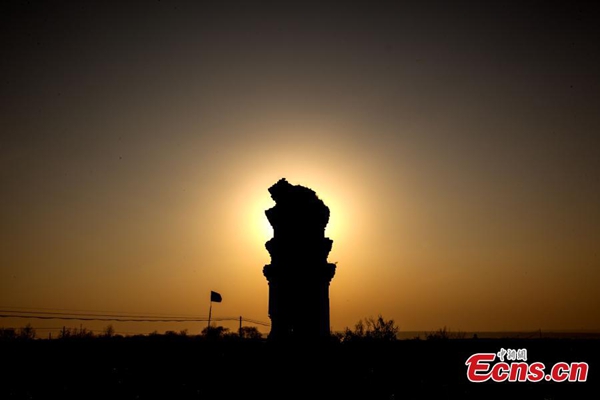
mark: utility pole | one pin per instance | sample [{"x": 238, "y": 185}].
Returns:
[{"x": 240, "y": 330}]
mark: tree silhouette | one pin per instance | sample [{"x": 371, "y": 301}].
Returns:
[
  {"x": 7, "y": 334},
  {"x": 250, "y": 332},
  {"x": 27, "y": 332},
  {"x": 214, "y": 332},
  {"x": 109, "y": 331}
]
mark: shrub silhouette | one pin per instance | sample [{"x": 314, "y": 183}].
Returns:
[
  {"x": 378, "y": 329},
  {"x": 74, "y": 333},
  {"x": 445, "y": 334}
]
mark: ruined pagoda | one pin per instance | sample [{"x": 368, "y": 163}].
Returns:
[{"x": 299, "y": 273}]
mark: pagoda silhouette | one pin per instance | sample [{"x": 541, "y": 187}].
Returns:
[{"x": 299, "y": 273}]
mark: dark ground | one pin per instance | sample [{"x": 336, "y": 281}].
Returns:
[{"x": 193, "y": 368}]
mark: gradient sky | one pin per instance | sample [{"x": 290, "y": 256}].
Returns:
[{"x": 457, "y": 145}]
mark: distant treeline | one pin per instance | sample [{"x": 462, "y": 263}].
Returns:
[
  {"x": 214, "y": 332},
  {"x": 368, "y": 329}
]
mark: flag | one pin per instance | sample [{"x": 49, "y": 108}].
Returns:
[{"x": 216, "y": 297}]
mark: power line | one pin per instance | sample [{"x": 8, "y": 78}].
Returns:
[
  {"x": 102, "y": 315},
  {"x": 108, "y": 318},
  {"x": 253, "y": 321},
  {"x": 83, "y": 318},
  {"x": 42, "y": 310},
  {"x": 120, "y": 315}
]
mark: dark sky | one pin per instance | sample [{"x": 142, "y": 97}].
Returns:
[{"x": 457, "y": 144}]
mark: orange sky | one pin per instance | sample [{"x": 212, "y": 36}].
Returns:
[{"x": 462, "y": 175}]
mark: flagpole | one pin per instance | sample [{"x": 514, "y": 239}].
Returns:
[{"x": 209, "y": 315}]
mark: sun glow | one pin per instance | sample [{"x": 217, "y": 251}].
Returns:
[
  {"x": 252, "y": 204},
  {"x": 266, "y": 230}
]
